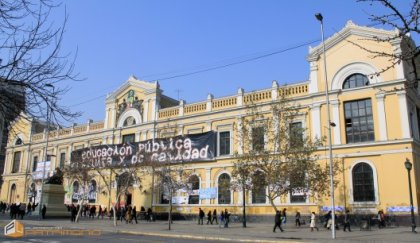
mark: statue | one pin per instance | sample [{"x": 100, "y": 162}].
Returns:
[{"x": 56, "y": 178}]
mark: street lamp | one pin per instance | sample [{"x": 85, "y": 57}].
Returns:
[
  {"x": 409, "y": 166},
  {"x": 45, "y": 153},
  {"x": 319, "y": 17}
]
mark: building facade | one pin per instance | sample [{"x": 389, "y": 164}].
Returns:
[{"x": 376, "y": 129}]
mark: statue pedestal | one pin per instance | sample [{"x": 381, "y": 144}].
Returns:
[{"x": 53, "y": 198}]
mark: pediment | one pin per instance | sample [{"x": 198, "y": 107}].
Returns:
[
  {"x": 135, "y": 84},
  {"x": 348, "y": 30}
]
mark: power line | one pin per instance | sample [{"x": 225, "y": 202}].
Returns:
[{"x": 217, "y": 67}]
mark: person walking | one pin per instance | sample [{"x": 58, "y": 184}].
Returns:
[
  {"x": 209, "y": 219},
  {"x": 381, "y": 219},
  {"x": 277, "y": 221},
  {"x": 313, "y": 222},
  {"x": 284, "y": 216},
  {"x": 328, "y": 219},
  {"x": 43, "y": 211},
  {"x": 214, "y": 217},
  {"x": 226, "y": 217},
  {"x": 134, "y": 213},
  {"x": 200, "y": 216},
  {"x": 297, "y": 219},
  {"x": 347, "y": 220},
  {"x": 73, "y": 212},
  {"x": 221, "y": 219},
  {"x": 29, "y": 208},
  {"x": 99, "y": 211}
]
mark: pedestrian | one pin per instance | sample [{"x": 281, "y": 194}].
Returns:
[
  {"x": 214, "y": 217},
  {"x": 226, "y": 216},
  {"x": 99, "y": 211},
  {"x": 297, "y": 219},
  {"x": 328, "y": 220},
  {"x": 284, "y": 216},
  {"x": 43, "y": 211},
  {"x": 222, "y": 219},
  {"x": 134, "y": 213},
  {"x": 150, "y": 215},
  {"x": 200, "y": 216},
  {"x": 347, "y": 220},
  {"x": 29, "y": 207},
  {"x": 73, "y": 213},
  {"x": 209, "y": 219},
  {"x": 313, "y": 222},
  {"x": 122, "y": 213},
  {"x": 381, "y": 219},
  {"x": 128, "y": 216},
  {"x": 277, "y": 221}
]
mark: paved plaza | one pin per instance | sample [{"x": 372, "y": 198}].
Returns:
[{"x": 255, "y": 232}]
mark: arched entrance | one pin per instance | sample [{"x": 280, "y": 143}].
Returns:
[{"x": 12, "y": 198}]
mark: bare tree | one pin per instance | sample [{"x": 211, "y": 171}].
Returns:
[
  {"x": 83, "y": 175},
  {"x": 32, "y": 65},
  {"x": 277, "y": 155},
  {"x": 406, "y": 22},
  {"x": 171, "y": 180}
]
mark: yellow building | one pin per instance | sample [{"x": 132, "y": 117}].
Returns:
[{"x": 377, "y": 121}]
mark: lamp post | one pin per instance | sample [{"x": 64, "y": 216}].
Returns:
[
  {"x": 330, "y": 124},
  {"x": 409, "y": 166},
  {"x": 45, "y": 154}
]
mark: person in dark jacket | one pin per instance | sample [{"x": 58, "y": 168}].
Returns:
[
  {"x": 209, "y": 219},
  {"x": 226, "y": 217},
  {"x": 347, "y": 220},
  {"x": 277, "y": 221},
  {"x": 73, "y": 211},
  {"x": 134, "y": 214},
  {"x": 214, "y": 217},
  {"x": 43, "y": 211},
  {"x": 200, "y": 216}
]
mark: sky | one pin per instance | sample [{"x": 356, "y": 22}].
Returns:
[{"x": 158, "y": 39}]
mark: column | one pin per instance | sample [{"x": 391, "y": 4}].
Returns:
[
  {"x": 405, "y": 125},
  {"x": 208, "y": 183},
  {"x": 240, "y": 97},
  {"x": 274, "y": 90},
  {"x": 240, "y": 135},
  {"x": 181, "y": 107},
  {"x": 209, "y": 102},
  {"x": 137, "y": 136},
  {"x": 336, "y": 119},
  {"x": 383, "y": 136},
  {"x": 313, "y": 77},
  {"x": 316, "y": 120},
  {"x": 113, "y": 117},
  {"x": 146, "y": 111},
  {"x": 106, "y": 118}
]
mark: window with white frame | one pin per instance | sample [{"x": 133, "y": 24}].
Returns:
[
  {"x": 193, "y": 197},
  {"x": 224, "y": 143},
  {"x": 259, "y": 188},
  {"x": 296, "y": 134},
  {"x": 363, "y": 184},
  {"x": 359, "y": 121},
  {"x": 257, "y": 138},
  {"x": 224, "y": 195}
]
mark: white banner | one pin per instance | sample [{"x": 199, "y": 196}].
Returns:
[{"x": 40, "y": 167}]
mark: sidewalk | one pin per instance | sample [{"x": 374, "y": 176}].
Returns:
[{"x": 255, "y": 232}]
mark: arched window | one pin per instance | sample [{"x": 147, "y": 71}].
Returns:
[
  {"x": 258, "y": 187},
  {"x": 363, "y": 187},
  {"x": 130, "y": 121},
  {"x": 75, "y": 196},
  {"x": 193, "y": 197},
  {"x": 224, "y": 189},
  {"x": 355, "y": 80},
  {"x": 92, "y": 191}
]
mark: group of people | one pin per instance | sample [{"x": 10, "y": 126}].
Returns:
[
  {"x": 123, "y": 213},
  {"x": 223, "y": 219},
  {"x": 19, "y": 210}
]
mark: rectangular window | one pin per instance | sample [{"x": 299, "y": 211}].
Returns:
[
  {"x": 296, "y": 134},
  {"x": 258, "y": 138},
  {"x": 62, "y": 160},
  {"x": 48, "y": 157},
  {"x": 359, "y": 121},
  {"x": 224, "y": 143},
  {"x": 16, "y": 162},
  {"x": 129, "y": 138},
  {"x": 35, "y": 163}
]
